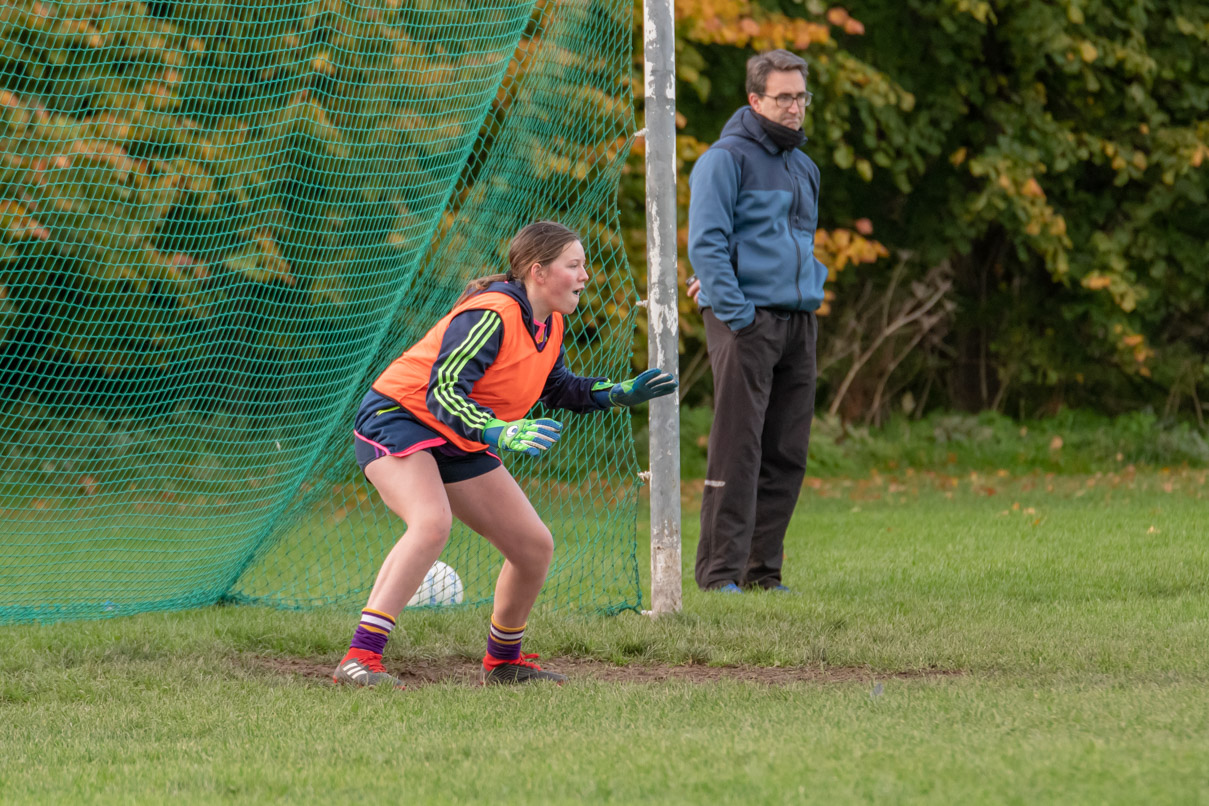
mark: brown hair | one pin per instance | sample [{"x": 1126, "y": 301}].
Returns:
[
  {"x": 759, "y": 66},
  {"x": 539, "y": 242}
]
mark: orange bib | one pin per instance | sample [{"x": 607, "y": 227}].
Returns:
[{"x": 511, "y": 385}]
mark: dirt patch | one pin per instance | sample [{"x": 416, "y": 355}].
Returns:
[{"x": 415, "y": 674}]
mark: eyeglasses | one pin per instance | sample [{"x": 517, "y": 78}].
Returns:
[{"x": 786, "y": 100}]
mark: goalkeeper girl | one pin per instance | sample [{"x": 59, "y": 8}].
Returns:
[{"x": 432, "y": 426}]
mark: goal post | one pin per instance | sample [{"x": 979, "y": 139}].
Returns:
[{"x": 659, "y": 46}]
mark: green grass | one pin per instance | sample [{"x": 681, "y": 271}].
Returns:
[{"x": 1055, "y": 629}]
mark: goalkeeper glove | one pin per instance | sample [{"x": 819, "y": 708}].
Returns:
[
  {"x": 650, "y": 384},
  {"x": 523, "y": 436}
]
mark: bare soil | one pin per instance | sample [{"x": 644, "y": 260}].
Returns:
[{"x": 415, "y": 674}]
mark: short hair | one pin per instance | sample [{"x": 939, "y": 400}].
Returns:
[{"x": 760, "y": 65}]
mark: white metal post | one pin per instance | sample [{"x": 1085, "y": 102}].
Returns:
[{"x": 659, "y": 46}]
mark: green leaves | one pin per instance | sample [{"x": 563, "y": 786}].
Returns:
[{"x": 1055, "y": 153}]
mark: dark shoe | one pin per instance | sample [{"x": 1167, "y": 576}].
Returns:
[
  {"x": 512, "y": 672},
  {"x": 729, "y": 587},
  {"x": 364, "y": 670}
]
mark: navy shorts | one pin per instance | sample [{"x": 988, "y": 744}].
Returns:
[{"x": 384, "y": 428}]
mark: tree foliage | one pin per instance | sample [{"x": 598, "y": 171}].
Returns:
[
  {"x": 1049, "y": 157},
  {"x": 168, "y": 169},
  {"x": 1043, "y": 164}
]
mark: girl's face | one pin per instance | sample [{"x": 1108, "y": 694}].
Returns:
[{"x": 556, "y": 286}]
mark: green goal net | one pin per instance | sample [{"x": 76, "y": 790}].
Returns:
[{"x": 219, "y": 221}]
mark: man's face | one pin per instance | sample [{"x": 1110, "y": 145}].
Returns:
[{"x": 781, "y": 82}]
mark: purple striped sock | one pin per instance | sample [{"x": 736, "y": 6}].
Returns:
[
  {"x": 373, "y": 631},
  {"x": 504, "y": 643}
]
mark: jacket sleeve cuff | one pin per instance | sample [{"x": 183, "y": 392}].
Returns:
[{"x": 742, "y": 321}]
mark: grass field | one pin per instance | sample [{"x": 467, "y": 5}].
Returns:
[{"x": 972, "y": 639}]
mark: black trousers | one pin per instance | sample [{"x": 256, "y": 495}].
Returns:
[{"x": 764, "y": 380}]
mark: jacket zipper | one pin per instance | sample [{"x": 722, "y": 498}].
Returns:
[{"x": 797, "y": 276}]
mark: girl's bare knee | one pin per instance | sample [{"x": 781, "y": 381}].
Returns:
[
  {"x": 544, "y": 544},
  {"x": 539, "y": 549},
  {"x": 433, "y": 529}
]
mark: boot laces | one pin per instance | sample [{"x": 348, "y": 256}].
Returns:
[
  {"x": 370, "y": 660},
  {"x": 526, "y": 659}
]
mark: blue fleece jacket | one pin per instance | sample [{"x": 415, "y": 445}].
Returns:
[{"x": 751, "y": 222}]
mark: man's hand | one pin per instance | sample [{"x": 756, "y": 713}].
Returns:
[
  {"x": 694, "y": 287},
  {"x": 650, "y": 384},
  {"x": 523, "y": 436}
]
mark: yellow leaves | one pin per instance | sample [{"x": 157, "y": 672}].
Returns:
[
  {"x": 840, "y": 18},
  {"x": 1088, "y": 51},
  {"x": 1096, "y": 282},
  {"x": 1198, "y": 155},
  {"x": 261, "y": 261},
  {"x": 741, "y": 23},
  {"x": 839, "y": 248},
  {"x": 102, "y": 151},
  {"x": 322, "y": 64},
  {"x": 16, "y": 223},
  {"x": 1032, "y": 189},
  {"x": 958, "y": 156},
  {"x": 1135, "y": 345},
  {"x": 978, "y": 9},
  {"x": 1004, "y": 181},
  {"x": 689, "y": 148},
  {"x": 843, "y": 156}
]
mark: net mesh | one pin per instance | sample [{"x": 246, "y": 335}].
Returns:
[{"x": 220, "y": 221}]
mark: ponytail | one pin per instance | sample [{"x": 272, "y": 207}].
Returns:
[{"x": 478, "y": 285}]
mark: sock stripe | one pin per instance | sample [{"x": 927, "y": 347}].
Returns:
[
  {"x": 504, "y": 643},
  {"x": 386, "y": 616},
  {"x": 506, "y": 635},
  {"x": 384, "y": 624},
  {"x": 373, "y": 631},
  {"x": 499, "y": 640}
]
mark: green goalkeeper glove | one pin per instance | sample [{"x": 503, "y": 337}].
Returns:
[
  {"x": 523, "y": 436},
  {"x": 650, "y": 384}
]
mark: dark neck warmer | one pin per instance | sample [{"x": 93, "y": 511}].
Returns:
[{"x": 785, "y": 138}]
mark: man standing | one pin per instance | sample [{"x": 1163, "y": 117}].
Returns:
[{"x": 751, "y": 222}]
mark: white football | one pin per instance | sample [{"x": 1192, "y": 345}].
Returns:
[{"x": 441, "y": 586}]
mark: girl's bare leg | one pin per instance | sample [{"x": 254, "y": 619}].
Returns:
[
  {"x": 411, "y": 487},
  {"x": 495, "y": 506}
]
